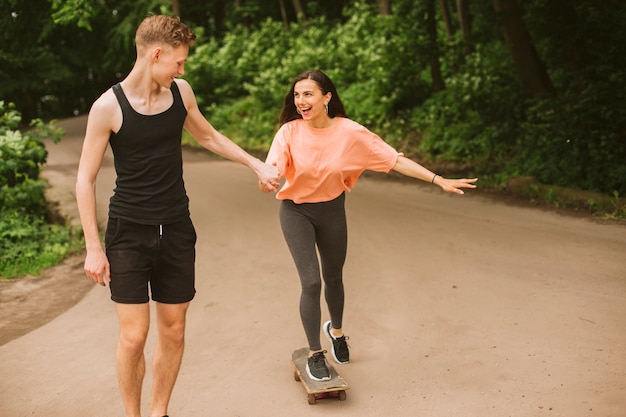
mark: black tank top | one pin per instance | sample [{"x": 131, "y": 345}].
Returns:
[{"x": 149, "y": 188}]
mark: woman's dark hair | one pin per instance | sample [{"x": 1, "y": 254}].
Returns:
[{"x": 335, "y": 106}]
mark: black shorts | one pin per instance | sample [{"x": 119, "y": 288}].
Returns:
[{"x": 161, "y": 257}]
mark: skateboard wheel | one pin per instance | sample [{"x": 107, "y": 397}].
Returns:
[
  {"x": 296, "y": 376},
  {"x": 312, "y": 399},
  {"x": 342, "y": 395}
]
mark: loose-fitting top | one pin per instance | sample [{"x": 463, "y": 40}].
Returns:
[{"x": 320, "y": 164}]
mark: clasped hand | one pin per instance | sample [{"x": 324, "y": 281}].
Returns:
[{"x": 269, "y": 180}]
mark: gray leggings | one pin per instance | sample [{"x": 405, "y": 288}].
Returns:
[{"x": 306, "y": 226}]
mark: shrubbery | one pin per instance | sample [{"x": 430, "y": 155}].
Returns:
[
  {"x": 27, "y": 242},
  {"x": 241, "y": 81},
  {"x": 482, "y": 119}
]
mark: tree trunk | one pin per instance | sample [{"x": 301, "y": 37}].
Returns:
[
  {"x": 219, "y": 19},
  {"x": 574, "y": 50},
  {"x": 297, "y": 4},
  {"x": 176, "y": 8},
  {"x": 384, "y": 7},
  {"x": 447, "y": 19},
  {"x": 283, "y": 13},
  {"x": 525, "y": 58},
  {"x": 465, "y": 21},
  {"x": 435, "y": 65}
]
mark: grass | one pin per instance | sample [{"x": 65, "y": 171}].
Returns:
[{"x": 599, "y": 206}]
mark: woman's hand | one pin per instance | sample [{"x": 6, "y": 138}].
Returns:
[
  {"x": 454, "y": 185},
  {"x": 269, "y": 187},
  {"x": 268, "y": 178}
]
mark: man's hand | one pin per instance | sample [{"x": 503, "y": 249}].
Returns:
[
  {"x": 97, "y": 267},
  {"x": 268, "y": 178}
]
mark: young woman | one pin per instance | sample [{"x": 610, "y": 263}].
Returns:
[{"x": 321, "y": 153}]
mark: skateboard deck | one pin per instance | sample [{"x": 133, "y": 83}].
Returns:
[{"x": 335, "y": 387}]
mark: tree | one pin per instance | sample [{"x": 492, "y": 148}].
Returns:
[
  {"x": 465, "y": 21},
  {"x": 176, "y": 8},
  {"x": 297, "y": 5},
  {"x": 283, "y": 14},
  {"x": 525, "y": 58},
  {"x": 447, "y": 19},
  {"x": 384, "y": 7},
  {"x": 36, "y": 61},
  {"x": 435, "y": 67}
]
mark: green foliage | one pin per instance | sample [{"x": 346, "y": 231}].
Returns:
[
  {"x": 27, "y": 242},
  {"x": 241, "y": 80},
  {"x": 58, "y": 56},
  {"x": 221, "y": 71},
  {"x": 474, "y": 118},
  {"x": 577, "y": 139},
  {"x": 242, "y": 120},
  {"x": 483, "y": 119},
  {"x": 20, "y": 155},
  {"x": 601, "y": 206},
  {"x": 370, "y": 66},
  {"x": 245, "y": 60},
  {"x": 29, "y": 64},
  {"x": 240, "y": 85},
  {"x": 79, "y": 12}
]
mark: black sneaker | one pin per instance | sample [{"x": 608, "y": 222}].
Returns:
[
  {"x": 339, "y": 345},
  {"x": 316, "y": 367}
]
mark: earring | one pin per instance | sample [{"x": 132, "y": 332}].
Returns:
[{"x": 326, "y": 106}]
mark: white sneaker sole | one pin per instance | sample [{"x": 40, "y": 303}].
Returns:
[
  {"x": 326, "y": 329},
  {"x": 308, "y": 371}
]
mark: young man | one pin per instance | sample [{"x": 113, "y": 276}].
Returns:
[{"x": 150, "y": 240}]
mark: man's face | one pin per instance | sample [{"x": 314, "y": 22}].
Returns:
[{"x": 169, "y": 63}]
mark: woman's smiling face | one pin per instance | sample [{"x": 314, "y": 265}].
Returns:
[{"x": 310, "y": 102}]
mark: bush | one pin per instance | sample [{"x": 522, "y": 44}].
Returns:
[
  {"x": 574, "y": 140},
  {"x": 482, "y": 120},
  {"x": 577, "y": 140},
  {"x": 475, "y": 118},
  {"x": 27, "y": 242},
  {"x": 241, "y": 81}
]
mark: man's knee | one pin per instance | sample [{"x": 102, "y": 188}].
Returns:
[
  {"x": 133, "y": 340},
  {"x": 173, "y": 333},
  {"x": 172, "y": 319}
]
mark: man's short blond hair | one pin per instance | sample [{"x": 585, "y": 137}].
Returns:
[{"x": 164, "y": 29}]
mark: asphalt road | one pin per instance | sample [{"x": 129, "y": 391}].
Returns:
[{"x": 456, "y": 306}]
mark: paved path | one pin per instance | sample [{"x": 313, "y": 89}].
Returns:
[{"x": 456, "y": 306}]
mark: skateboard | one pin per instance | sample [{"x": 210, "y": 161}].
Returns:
[{"x": 335, "y": 387}]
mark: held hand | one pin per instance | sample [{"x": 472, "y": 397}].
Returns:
[
  {"x": 269, "y": 188},
  {"x": 455, "y": 185},
  {"x": 268, "y": 178},
  {"x": 97, "y": 267}
]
